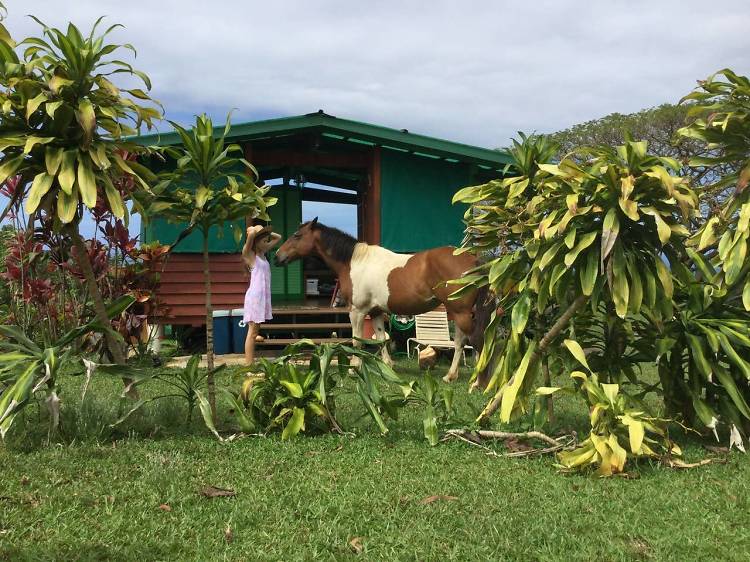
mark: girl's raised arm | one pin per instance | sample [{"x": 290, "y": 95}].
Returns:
[
  {"x": 275, "y": 238},
  {"x": 248, "y": 255}
]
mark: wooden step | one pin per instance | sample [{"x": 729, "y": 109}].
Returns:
[
  {"x": 283, "y": 311},
  {"x": 308, "y": 326},
  {"x": 270, "y": 342}
]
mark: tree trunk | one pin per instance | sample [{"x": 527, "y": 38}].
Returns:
[
  {"x": 209, "y": 329},
  {"x": 554, "y": 331},
  {"x": 115, "y": 350}
]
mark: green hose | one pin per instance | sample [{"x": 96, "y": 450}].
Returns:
[{"x": 400, "y": 325}]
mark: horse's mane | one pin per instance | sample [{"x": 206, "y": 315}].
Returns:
[{"x": 338, "y": 243}]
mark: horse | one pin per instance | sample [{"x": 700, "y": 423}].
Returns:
[{"x": 375, "y": 281}]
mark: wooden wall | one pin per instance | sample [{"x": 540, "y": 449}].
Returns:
[{"x": 182, "y": 287}]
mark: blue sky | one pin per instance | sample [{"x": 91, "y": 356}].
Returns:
[{"x": 474, "y": 72}]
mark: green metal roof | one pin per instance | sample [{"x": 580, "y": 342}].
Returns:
[{"x": 352, "y": 131}]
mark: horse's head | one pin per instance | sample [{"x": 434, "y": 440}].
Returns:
[{"x": 298, "y": 245}]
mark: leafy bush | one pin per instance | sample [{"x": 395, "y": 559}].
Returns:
[
  {"x": 187, "y": 384},
  {"x": 63, "y": 133},
  {"x": 297, "y": 390},
  {"x": 607, "y": 249},
  {"x": 27, "y": 368}
]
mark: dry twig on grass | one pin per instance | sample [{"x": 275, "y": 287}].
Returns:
[{"x": 475, "y": 438}]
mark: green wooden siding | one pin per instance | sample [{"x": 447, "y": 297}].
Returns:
[
  {"x": 220, "y": 239},
  {"x": 416, "y": 209},
  {"x": 286, "y": 215}
]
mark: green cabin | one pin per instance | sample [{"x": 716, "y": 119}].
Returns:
[{"x": 398, "y": 184}]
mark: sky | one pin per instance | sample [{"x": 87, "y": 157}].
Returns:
[{"x": 474, "y": 72}]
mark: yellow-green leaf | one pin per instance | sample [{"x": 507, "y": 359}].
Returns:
[
  {"x": 577, "y": 351},
  {"x": 585, "y": 241},
  {"x": 67, "y": 206},
  {"x": 87, "y": 119},
  {"x": 113, "y": 197},
  {"x": 52, "y": 107},
  {"x": 620, "y": 287},
  {"x": 52, "y": 158},
  {"x": 39, "y": 188},
  {"x": 67, "y": 174},
  {"x": 32, "y": 141},
  {"x": 735, "y": 261},
  {"x": 708, "y": 236},
  {"x": 295, "y": 424},
  {"x": 636, "y": 433},
  {"x": 86, "y": 181},
  {"x": 611, "y": 391},
  {"x": 630, "y": 208},
  {"x": 9, "y": 167},
  {"x": 514, "y": 384},
  {"x": 610, "y": 230},
  {"x": 589, "y": 273},
  {"x": 520, "y": 313},
  {"x": 57, "y": 82},
  {"x": 619, "y": 455},
  {"x": 202, "y": 195},
  {"x": 5, "y": 37},
  {"x": 746, "y": 295},
  {"x": 665, "y": 277},
  {"x": 33, "y": 104}
]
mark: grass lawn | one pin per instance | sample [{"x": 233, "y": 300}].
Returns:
[{"x": 133, "y": 494}]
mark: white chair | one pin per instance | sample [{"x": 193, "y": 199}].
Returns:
[{"x": 432, "y": 330}]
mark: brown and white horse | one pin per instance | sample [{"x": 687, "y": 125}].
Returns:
[{"x": 376, "y": 281}]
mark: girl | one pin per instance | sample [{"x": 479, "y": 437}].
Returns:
[{"x": 259, "y": 240}]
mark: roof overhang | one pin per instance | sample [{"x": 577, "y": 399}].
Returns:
[{"x": 354, "y": 132}]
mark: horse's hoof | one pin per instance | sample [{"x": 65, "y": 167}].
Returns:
[
  {"x": 450, "y": 377},
  {"x": 474, "y": 386}
]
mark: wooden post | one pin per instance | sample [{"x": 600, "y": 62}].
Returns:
[{"x": 372, "y": 217}]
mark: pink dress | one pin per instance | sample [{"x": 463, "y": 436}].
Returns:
[{"x": 258, "y": 295}]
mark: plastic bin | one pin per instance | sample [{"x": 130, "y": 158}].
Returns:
[
  {"x": 239, "y": 333},
  {"x": 222, "y": 332}
]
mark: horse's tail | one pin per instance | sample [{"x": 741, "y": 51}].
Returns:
[{"x": 484, "y": 305}]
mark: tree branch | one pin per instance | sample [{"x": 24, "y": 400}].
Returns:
[{"x": 558, "y": 326}]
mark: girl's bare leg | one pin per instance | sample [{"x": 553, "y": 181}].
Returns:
[{"x": 252, "y": 331}]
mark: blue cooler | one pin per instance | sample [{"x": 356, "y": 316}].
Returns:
[
  {"x": 239, "y": 330},
  {"x": 222, "y": 332}
]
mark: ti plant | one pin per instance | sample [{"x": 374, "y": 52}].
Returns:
[
  {"x": 285, "y": 397},
  {"x": 187, "y": 384},
  {"x": 437, "y": 400},
  {"x": 298, "y": 389},
  {"x": 63, "y": 130},
  {"x": 28, "y": 369},
  {"x": 607, "y": 248},
  {"x": 620, "y": 424},
  {"x": 211, "y": 184}
]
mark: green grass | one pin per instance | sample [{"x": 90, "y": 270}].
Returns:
[{"x": 97, "y": 494}]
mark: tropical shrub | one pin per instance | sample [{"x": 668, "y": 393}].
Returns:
[
  {"x": 606, "y": 251},
  {"x": 211, "y": 184},
  {"x": 186, "y": 384},
  {"x": 297, "y": 391},
  {"x": 436, "y": 399},
  {"x": 28, "y": 369},
  {"x": 63, "y": 130}
]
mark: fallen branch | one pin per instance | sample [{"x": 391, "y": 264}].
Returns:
[{"x": 558, "y": 444}]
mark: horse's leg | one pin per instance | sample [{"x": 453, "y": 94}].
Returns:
[
  {"x": 378, "y": 323},
  {"x": 463, "y": 326},
  {"x": 357, "y": 319},
  {"x": 459, "y": 340}
]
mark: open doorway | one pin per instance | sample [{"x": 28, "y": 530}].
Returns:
[{"x": 319, "y": 282}]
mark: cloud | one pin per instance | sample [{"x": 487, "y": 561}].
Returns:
[{"x": 475, "y": 72}]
